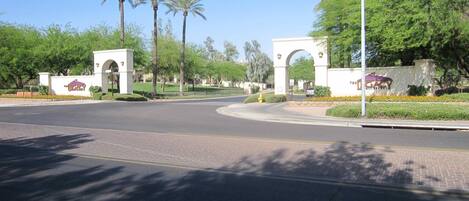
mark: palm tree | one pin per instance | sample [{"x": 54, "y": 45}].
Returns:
[
  {"x": 154, "y": 5},
  {"x": 154, "y": 61},
  {"x": 134, "y": 4},
  {"x": 185, "y": 7}
]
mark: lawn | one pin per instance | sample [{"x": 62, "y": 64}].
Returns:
[
  {"x": 171, "y": 91},
  {"x": 415, "y": 111}
]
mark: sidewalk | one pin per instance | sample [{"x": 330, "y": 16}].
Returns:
[
  {"x": 403, "y": 168},
  {"x": 283, "y": 113},
  {"x": 21, "y": 102}
]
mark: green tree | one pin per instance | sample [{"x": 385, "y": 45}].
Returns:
[
  {"x": 186, "y": 7},
  {"x": 302, "y": 69},
  {"x": 19, "y": 58},
  {"x": 398, "y": 32}
]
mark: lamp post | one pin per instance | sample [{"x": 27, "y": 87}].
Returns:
[{"x": 363, "y": 58}]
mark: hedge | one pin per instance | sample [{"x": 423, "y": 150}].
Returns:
[
  {"x": 123, "y": 97},
  {"x": 446, "y": 98},
  {"x": 269, "y": 98},
  {"x": 415, "y": 111}
]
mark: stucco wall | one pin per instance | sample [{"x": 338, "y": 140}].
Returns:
[
  {"x": 59, "y": 85},
  {"x": 343, "y": 81}
]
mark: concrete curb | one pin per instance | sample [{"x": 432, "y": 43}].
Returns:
[{"x": 274, "y": 113}]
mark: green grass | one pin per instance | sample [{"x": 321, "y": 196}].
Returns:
[
  {"x": 172, "y": 91},
  {"x": 269, "y": 98},
  {"x": 414, "y": 111}
]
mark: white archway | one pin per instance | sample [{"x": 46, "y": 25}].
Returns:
[
  {"x": 124, "y": 59},
  {"x": 285, "y": 48}
]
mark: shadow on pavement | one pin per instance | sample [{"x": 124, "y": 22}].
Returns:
[{"x": 33, "y": 169}]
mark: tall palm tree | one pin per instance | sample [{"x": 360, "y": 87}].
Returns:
[
  {"x": 193, "y": 7},
  {"x": 134, "y": 4},
  {"x": 154, "y": 60}
]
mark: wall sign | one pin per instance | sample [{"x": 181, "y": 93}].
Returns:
[
  {"x": 75, "y": 85},
  {"x": 373, "y": 81}
]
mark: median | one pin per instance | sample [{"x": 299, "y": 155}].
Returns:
[{"x": 410, "y": 111}]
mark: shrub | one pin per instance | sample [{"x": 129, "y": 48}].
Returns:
[
  {"x": 417, "y": 90},
  {"x": 7, "y": 91},
  {"x": 416, "y": 111},
  {"x": 275, "y": 98},
  {"x": 95, "y": 89},
  {"x": 98, "y": 96},
  {"x": 321, "y": 91},
  {"x": 269, "y": 98},
  {"x": 123, "y": 97},
  {"x": 43, "y": 90},
  {"x": 446, "y": 98}
]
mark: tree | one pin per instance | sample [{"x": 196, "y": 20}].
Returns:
[
  {"x": 186, "y": 7},
  {"x": 302, "y": 69},
  {"x": 133, "y": 3},
  {"x": 19, "y": 55},
  {"x": 154, "y": 59},
  {"x": 231, "y": 53},
  {"x": 259, "y": 64},
  {"x": 62, "y": 50},
  {"x": 398, "y": 32}
]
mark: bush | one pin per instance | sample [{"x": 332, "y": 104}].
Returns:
[
  {"x": 43, "y": 90},
  {"x": 7, "y": 91},
  {"x": 98, "y": 96},
  {"x": 321, "y": 91},
  {"x": 95, "y": 89},
  {"x": 417, "y": 90},
  {"x": 417, "y": 111},
  {"x": 124, "y": 97},
  {"x": 446, "y": 98},
  {"x": 269, "y": 98}
]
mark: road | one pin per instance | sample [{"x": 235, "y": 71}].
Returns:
[
  {"x": 49, "y": 168},
  {"x": 201, "y": 118}
]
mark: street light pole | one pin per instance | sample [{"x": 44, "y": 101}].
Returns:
[{"x": 363, "y": 57}]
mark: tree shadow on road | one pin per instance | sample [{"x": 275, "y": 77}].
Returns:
[{"x": 37, "y": 169}]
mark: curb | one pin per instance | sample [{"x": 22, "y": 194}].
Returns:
[{"x": 300, "y": 119}]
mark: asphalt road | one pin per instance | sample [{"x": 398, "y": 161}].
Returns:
[{"x": 201, "y": 118}]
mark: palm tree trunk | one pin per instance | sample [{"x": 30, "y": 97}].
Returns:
[
  {"x": 121, "y": 8},
  {"x": 183, "y": 56},
  {"x": 155, "y": 47}
]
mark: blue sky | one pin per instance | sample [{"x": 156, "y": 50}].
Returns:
[{"x": 232, "y": 20}]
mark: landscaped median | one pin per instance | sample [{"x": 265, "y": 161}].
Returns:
[
  {"x": 462, "y": 97},
  {"x": 414, "y": 111},
  {"x": 447, "y": 107}
]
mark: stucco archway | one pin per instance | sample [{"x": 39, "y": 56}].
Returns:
[
  {"x": 125, "y": 62},
  {"x": 285, "y": 48}
]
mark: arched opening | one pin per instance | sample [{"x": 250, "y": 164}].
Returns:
[
  {"x": 300, "y": 66},
  {"x": 111, "y": 77}
]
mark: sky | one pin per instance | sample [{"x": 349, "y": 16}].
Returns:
[{"x": 236, "y": 21}]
